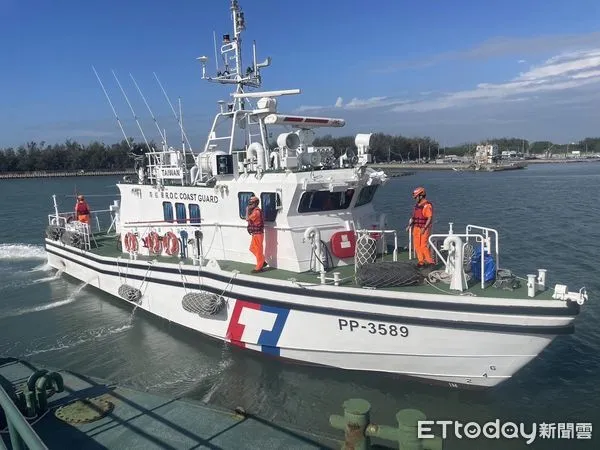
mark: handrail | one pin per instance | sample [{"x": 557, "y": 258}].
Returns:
[
  {"x": 496, "y": 239},
  {"x": 19, "y": 429},
  {"x": 478, "y": 238}
]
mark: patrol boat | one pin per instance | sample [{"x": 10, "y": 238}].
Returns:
[{"x": 339, "y": 289}]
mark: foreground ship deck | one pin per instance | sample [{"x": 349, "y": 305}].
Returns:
[{"x": 139, "y": 420}]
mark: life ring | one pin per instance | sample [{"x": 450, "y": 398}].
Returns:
[
  {"x": 171, "y": 243},
  {"x": 153, "y": 242},
  {"x": 131, "y": 242}
]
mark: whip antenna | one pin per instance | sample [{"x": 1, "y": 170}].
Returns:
[
  {"x": 173, "y": 109},
  {"x": 132, "y": 111},
  {"x": 164, "y": 139},
  {"x": 113, "y": 108}
]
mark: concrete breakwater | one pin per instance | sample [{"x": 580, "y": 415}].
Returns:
[{"x": 60, "y": 174}]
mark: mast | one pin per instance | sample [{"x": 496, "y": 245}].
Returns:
[{"x": 231, "y": 51}]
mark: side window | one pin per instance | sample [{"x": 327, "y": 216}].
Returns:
[
  {"x": 269, "y": 201},
  {"x": 180, "y": 212},
  {"x": 315, "y": 201},
  {"x": 168, "y": 211},
  {"x": 194, "y": 213},
  {"x": 366, "y": 194},
  {"x": 243, "y": 199}
]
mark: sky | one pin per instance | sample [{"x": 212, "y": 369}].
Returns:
[{"x": 456, "y": 71}]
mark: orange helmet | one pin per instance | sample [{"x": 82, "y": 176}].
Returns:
[
  {"x": 419, "y": 191},
  {"x": 253, "y": 200}
]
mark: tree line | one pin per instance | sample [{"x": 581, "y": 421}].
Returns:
[
  {"x": 73, "y": 156},
  {"x": 385, "y": 147}
]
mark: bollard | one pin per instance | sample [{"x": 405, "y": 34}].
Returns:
[
  {"x": 407, "y": 429},
  {"x": 358, "y": 429},
  {"x": 355, "y": 421}
]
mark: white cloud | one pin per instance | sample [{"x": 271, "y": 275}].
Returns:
[
  {"x": 564, "y": 72},
  {"x": 567, "y": 71},
  {"x": 521, "y": 61},
  {"x": 357, "y": 104},
  {"x": 503, "y": 46}
]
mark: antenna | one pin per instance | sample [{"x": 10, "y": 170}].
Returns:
[
  {"x": 181, "y": 119},
  {"x": 132, "y": 111},
  {"x": 173, "y": 109},
  {"x": 113, "y": 108},
  {"x": 231, "y": 53},
  {"x": 216, "y": 57},
  {"x": 163, "y": 137}
]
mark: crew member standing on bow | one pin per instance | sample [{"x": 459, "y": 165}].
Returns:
[
  {"x": 421, "y": 222},
  {"x": 82, "y": 210},
  {"x": 256, "y": 228}
]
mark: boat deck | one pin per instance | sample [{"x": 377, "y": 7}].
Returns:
[
  {"x": 106, "y": 245},
  {"x": 140, "y": 420}
]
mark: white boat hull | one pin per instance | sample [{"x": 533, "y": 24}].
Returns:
[{"x": 308, "y": 324}]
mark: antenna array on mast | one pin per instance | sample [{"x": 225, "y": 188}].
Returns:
[{"x": 231, "y": 50}]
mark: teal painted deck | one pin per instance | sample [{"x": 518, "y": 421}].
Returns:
[
  {"x": 144, "y": 421},
  {"x": 107, "y": 246}
]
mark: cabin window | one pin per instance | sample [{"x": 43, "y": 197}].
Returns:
[
  {"x": 180, "y": 212},
  {"x": 168, "y": 211},
  {"x": 194, "y": 213},
  {"x": 269, "y": 202},
  {"x": 366, "y": 194},
  {"x": 243, "y": 199},
  {"x": 315, "y": 201}
]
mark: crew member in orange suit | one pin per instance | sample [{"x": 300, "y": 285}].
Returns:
[
  {"x": 82, "y": 210},
  {"x": 421, "y": 222},
  {"x": 256, "y": 228}
]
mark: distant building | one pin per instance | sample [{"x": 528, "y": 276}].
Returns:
[{"x": 486, "y": 154}]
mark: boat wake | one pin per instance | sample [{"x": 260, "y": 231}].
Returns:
[
  {"x": 190, "y": 380},
  {"x": 70, "y": 342},
  {"x": 44, "y": 267},
  {"x": 70, "y": 299},
  {"x": 21, "y": 252},
  {"x": 56, "y": 276}
]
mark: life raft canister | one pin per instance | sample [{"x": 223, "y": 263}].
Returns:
[{"x": 343, "y": 244}]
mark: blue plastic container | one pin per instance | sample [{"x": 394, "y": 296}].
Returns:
[{"x": 489, "y": 266}]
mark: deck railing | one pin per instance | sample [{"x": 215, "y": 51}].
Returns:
[{"x": 20, "y": 431}]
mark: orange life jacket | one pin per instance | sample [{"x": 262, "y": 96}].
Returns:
[
  {"x": 419, "y": 220},
  {"x": 82, "y": 209},
  {"x": 256, "y": 224}
]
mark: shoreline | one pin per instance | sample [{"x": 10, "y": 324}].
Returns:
[
  {"x": 403, "y": 167},
  {"x": 63, "y": 174},
  {"x": 518, "y": 165}
]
